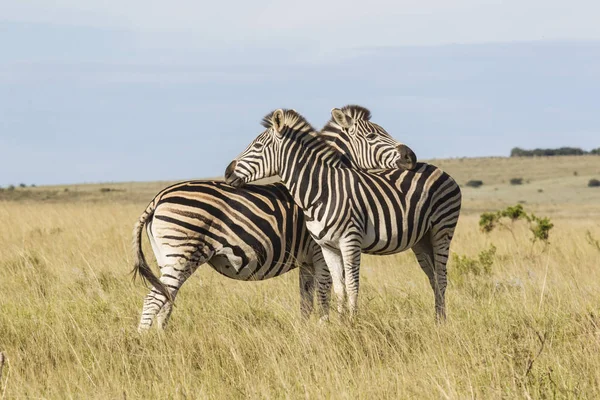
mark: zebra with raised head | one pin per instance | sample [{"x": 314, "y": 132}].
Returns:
[
  {"x": 253, "y": 233},
  {"x": 348, "y": 211}
]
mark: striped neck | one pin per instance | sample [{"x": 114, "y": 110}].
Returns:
[
  {"x": 303, "y": 157},
  {"x": 338, "y": 140}
]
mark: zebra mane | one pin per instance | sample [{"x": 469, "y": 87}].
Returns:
[
  {"x": 292, "y": 118},
  {"x": 295, "y": 120},
  {"x": 357, "y": 112},
  {"x": 332, "y": 133},
  {"x": 332, "y": 130}
]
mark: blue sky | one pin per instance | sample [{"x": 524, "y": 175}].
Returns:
[{"x": 147, "y": 90}]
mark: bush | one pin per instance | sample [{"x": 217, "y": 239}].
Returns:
[
  {"x": 539, "y": 227},
  {"x": 474, "y": 183},
  {"x": 594, "y": 183},
  {"x": 516, "y": 181},
  {"x": 22, "y": 185},
  {"x": 11, "y": 188},
  {"x": 465, "y": 266}
]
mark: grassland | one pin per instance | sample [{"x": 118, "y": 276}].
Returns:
[{"x": 530, "y": 329}]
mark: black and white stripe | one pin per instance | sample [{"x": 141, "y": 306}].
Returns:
[
  {"x": 253, "y": 233},
  {"x": 250, "y": 234},
  {"x": 348, "y": 211}
]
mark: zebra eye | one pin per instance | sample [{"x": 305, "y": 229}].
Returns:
[
  {"x": 371, "y": 136},
  {"x": 258, "y": 145}
]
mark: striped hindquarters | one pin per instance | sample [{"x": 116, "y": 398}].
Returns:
[{"x": 252, "y": 233}]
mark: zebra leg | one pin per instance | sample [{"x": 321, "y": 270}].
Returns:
[
  {"x": 351, "y": 256},
  {"x": 172, "y": 276},
  {"x": 155, "y": 301},
  {"x": 165, "y": 312},
  {"x": 424, "y": 252},
  {"x": 152, "y": 303},
  {"x": 335, "y": 265},
  {"x": 307, "y": 289},
  {"x": 323, "y": 280},
  {"x": 441, "y": 250}
]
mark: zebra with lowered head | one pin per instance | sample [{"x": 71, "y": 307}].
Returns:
[
  {"x": 252, "y": 233},
  {"x": 349, "y": 211}
]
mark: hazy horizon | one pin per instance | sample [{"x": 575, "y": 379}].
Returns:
[{"x": 105, "y": 93}]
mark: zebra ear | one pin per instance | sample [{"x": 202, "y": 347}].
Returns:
[
  {"x": 277, "y": 120},
  {"x": 341, "y": 118}
]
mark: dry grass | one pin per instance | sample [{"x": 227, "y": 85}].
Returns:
[{"x": 68, "y": 313}]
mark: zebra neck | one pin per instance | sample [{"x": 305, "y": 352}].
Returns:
[
  {"x": 305, "y": 162},
  {"x": 339, "y": 141}
]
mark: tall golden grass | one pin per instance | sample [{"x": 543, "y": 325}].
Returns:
[{"x": 69, "y": 312}]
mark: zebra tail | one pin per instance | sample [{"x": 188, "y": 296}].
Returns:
[{"x": 140, "y": 266}]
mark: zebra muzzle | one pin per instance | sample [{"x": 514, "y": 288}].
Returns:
[
  {"x": 231, "y": 177},
  {"x": 408, "y": 158}
]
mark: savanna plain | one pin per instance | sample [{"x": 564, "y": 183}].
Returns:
[{"x": 524, "y": 325}]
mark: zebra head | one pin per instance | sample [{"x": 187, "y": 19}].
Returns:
[
  {"x": 261, "y": 158},
  {"x": 367, "y": 144}
]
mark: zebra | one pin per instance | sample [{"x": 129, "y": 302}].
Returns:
[
  {"x": 349, "y": 212},
  {"x": 253, "y": 233}
]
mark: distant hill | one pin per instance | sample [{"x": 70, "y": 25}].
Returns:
[{"x": 562, "y": 151}]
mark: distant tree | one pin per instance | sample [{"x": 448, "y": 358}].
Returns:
[
  {"x": 22, "y": 185},
  {"x": 518, "y": 152},
  {"x": 11, "y": 187},
  {"x": 562, "y": 151},
  {"x": 594, "y": 183},
  {"x": 595, "y": 151}
]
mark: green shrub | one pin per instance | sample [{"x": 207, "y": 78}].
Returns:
[
  {"x": 516, "y": 181},
  {"x": 474, "y": 183},
  {"x": 594, "y": 183},
  {"x": 514, "y": 212},
  {"x": 488, "y": 221},
  {"x": 465, "y": 266},
  {"x": 539, "y": 226}
]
